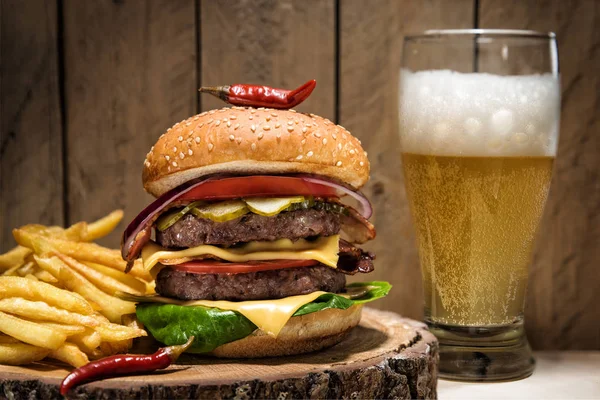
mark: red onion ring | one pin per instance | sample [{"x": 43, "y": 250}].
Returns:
[{"x": 130, "y": 248}]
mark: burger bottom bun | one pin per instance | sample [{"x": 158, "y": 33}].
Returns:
[{"x": 303, "y": 334}]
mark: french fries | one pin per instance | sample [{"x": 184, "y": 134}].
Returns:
[
  {"x": 30, "y": 332},
  {"x": 56, "y": 295},
  {"x": 21, "y": 353}
]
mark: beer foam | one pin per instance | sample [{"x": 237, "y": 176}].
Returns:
[{"x": 477, "y": 114}]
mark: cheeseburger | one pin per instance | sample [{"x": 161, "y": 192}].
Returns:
[{"x": 254, "y": 230}]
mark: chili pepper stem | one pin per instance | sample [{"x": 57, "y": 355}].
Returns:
[
  {"x": 221, "y": 92},
  {"x": 175, "y": 351}
]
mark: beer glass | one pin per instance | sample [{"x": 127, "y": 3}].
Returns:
[{"x": 479, "y": 124}]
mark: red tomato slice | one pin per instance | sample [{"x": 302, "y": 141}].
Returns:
[
  {"x": 217, "y": 267},
  {"x": 257, "y": 186}
]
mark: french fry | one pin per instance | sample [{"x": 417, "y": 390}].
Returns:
[
  {"x": 71, "y": 354},
  {"x": 135, "y": 285},
  {"x": 40, "y": 291},
  {"x": 45, "y": 276},
  {"x": 111, "y": 307},
  {"x": 12, "y": 271},
  {"x": 30, "y": 332},
  {"x": 38, "y": 310},
  {"x": 14, "y": 257},
  {"x": 21, "y": 353},
  {"x": 68, "y": 330},
  {"x": 105, "y": 283},
  {"x": 103, "y": 226},
  {"x": 26, "y": 269},
  {"x": 88, "y": 341},
  {"x": 31, "y": 277},
  {"x": 115, "y": 333}
]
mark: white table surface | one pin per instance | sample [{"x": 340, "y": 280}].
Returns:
[{"x": 557, "y": 375}]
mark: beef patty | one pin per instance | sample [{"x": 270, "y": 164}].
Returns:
[
  {"x": 263, "y": 285},
  {"x": 191, "y": 231}
]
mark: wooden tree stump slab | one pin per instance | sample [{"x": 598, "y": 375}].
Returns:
[{"x": 386, "y": 356}]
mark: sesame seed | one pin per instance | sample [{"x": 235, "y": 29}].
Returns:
[
  {"x": 339, "y": 163},
  {"x": 334, "y": 136},
  {"x": 260, "y": 136},
  {"x": 296, "y": 121},
  {"x": 251, "y": 117},
  {"x": 200, "y": 125},
  {"x": 339, "y": 146},
  {"x": 188, "y": 123},
  {"x": 274, "y": 114},
  {"x": 151, "y": 148},
  {"x": 191, "y": 133},
  {"x": 180, "y": 138},
  {"x": 223, "y": 109},
  {"x": 238, "y": 140},
  {"x": 210, "y": 120},
  {"x": 174, "y": 149},
  {"x": 232, "y": 116},
  {"x": 231, "y": 137},
  {"x": 174, "y": 163},
  {"x": 290, "y": 128},
  {"x": 252, "y": 111},
  {"x": 292, "y": 110},
  {"x": 290, "y": 122},
  {"x": 225, "y": 119},
  {"x": 236, "y": 126},
  {"x": 352, "y": 151},
  {"x": 210, "y": 146},
  {"x": 253, "y": 146},
  {"x": 167, "y": 158},
  {"x": 203, "y": 114},
  {"x": 303, "y": 141},
  {"x": 277, "y": 125},
  {"x": 228, "y": 124},
  {"x": 365, "y": 153},
  {"x": 267, "y": 128},
  {"x": 196, "y": 118},
  {"x": 324, "y": 140},
  {"x": 261, "y": 108},
  {"x": 190, "y": 152},
  {"x": 168, "y": 129},
  {"x": 309, "y": 154},
  {"x": 197, "y": 139},
  {"x": 253, "y": 128},
  {"x": 278, "y": 136},
  {"x": 218, "y": 122},
  {"x": 299, "y": 157},
  {"x": 147, "y": 163},
  {"x": 268, "y": 118},
  {"x": 181, "y": 155},
  {"x": 361, "y": 163},
  {"x": 317, "y": 134},
  {"x": 211, "y": 112}
]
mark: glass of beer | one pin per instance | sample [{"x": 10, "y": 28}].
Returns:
[{"x": 479, "y": 125}]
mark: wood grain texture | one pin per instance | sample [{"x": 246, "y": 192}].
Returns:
[
  {"x": 280, "y": 43},
  {"x": 130, "y": 74},
  {"x": 371, "y": 36},
  {"x": 30, "y": 128},
  {"x": 561, "y": 309},
  {"x": 386, "y": 356}
]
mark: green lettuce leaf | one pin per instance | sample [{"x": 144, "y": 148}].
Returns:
[{"x": 173, "y": 324}]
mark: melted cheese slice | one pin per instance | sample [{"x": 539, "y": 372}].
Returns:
[
  {"x": 270, "y": 316},
  {"x": 324, "y": 250}
]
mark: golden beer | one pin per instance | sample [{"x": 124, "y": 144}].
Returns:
[{"x": 476, "y": 220}]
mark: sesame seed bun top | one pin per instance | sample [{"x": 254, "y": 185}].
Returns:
[{"x": 250, "y": 141}]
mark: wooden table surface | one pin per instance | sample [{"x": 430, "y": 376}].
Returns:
[{"x": 558, "y": 375}]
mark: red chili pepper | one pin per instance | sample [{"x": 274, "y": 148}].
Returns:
[
  {"x": 261, "y": 96},
  {"x": 124, "y": 364}
]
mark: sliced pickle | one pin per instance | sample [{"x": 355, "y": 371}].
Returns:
[
  {"x": 272, "y": 206},
  {"x": 221, "y": 212},
  {"x": 167, "y": 219}
]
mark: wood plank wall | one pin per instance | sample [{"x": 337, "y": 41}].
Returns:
[{"x": 87, "y": 87}]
